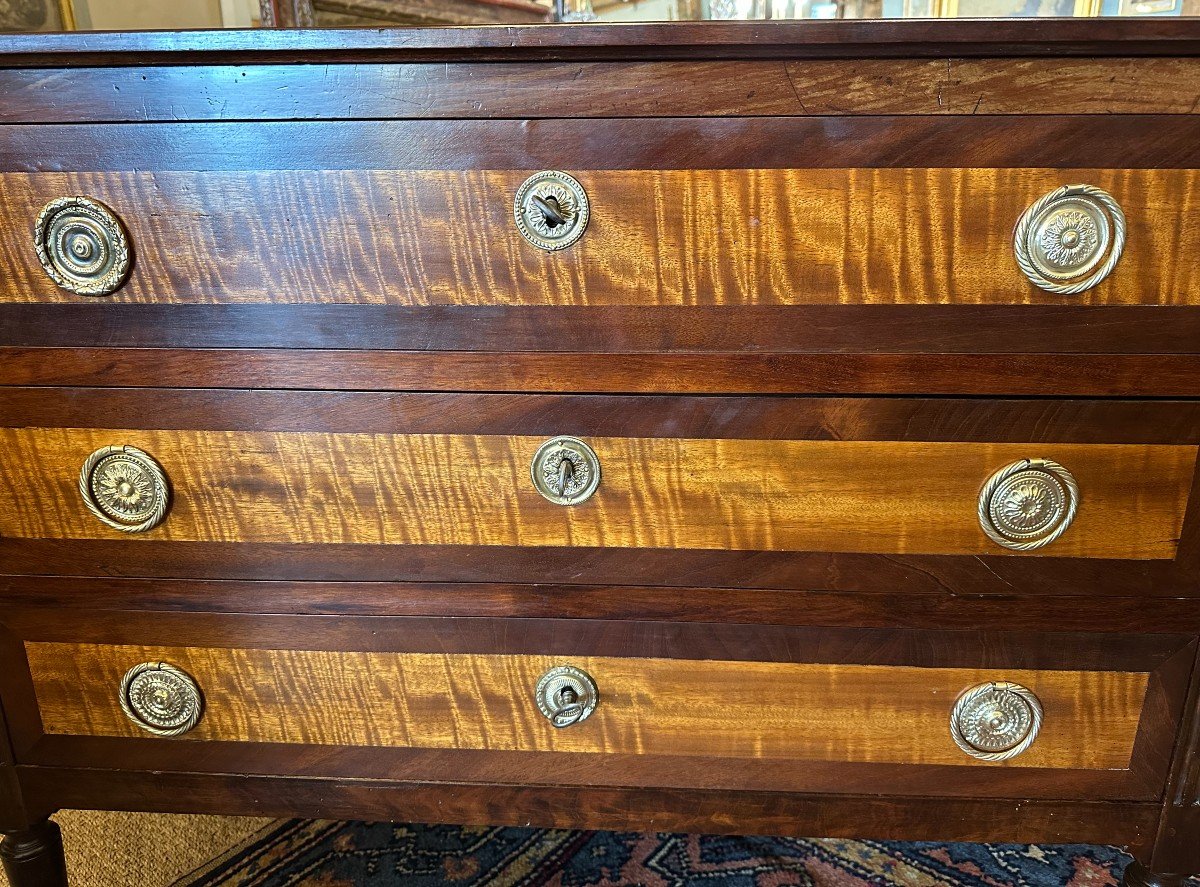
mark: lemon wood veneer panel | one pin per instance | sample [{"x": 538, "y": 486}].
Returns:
[
  {"x": 647, "y": 706},
  {"x": 673, "y": 493},
  {"x": 691, "y": 237}
]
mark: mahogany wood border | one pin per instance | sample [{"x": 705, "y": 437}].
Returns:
[
  {"x": 681, "y": 88},
  {"x": 1082, "y": 613},
  {"x": 1053, "y": 142},
  {"x": 744, "y": 329},
  {"x": 1166, "y": 422},
  {"x": 848, "y": 38},
  {"x": 719, "y": 812},
  {"x": 617, "y": 638},
  {"x": 540, "y": 769},
  {"x": 809, "y": 571},
  {"x": 612, "y": 771},
  {"x": 1002, "y": 375}
]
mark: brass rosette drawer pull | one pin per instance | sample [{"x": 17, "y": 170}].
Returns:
[
  {"x": 82, "y": 245},
  {"x": 125, "y": 488},
  {"x": 996, "y": 721},
  {"x": 1070, "y": 239},
  {"x": 1028, "y": 504},
  {"x": 566, "y": 695},
  {"x": 565, "y": 470},
  {"x": 551, "y": 210},
  {"x": 161, "y": 699}
]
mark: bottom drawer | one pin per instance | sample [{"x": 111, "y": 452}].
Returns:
[{"x": 683, "y": 705}]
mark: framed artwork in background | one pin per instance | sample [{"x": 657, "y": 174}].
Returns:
[
  {"x": 126, "y": 15},
  {"x": 36, "y": 15}
]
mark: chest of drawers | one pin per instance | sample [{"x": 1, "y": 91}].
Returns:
[{"x": 781, "y": 429}]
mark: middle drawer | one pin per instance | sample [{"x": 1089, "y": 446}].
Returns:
[{"x": 895, "y": 494}]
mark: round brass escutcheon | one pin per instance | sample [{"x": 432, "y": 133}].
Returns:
[
  {"x": 551, "y": 210},
  {"x": 125, "y": 488},
  {"x": 566, "y": 695},
  {"x": 161, "y": 699},
  {"x": 565, "y": 470},
  {"x": 1070, "y": 239},
  {"x": 82, "y": 246},
  {"x": 1028, "y": 504},
  {"x": 996, "y": 721}
]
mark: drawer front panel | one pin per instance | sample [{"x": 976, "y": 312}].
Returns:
[
  {"x": 681, "y": 705},
  {"x": 677, "y": 493},
  {"x": 813, "y": 493},
  {"x": 692, "y": 237},
  {"x": 659, "y": 707}
]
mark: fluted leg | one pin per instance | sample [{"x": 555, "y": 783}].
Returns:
[{"x": 34, "y": 857}]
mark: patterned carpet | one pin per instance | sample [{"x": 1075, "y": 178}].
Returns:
[{"x": 351, "y": 854}]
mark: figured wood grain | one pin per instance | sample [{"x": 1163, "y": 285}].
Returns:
[
  {"x": 677, "y": 493},
  {"x": 681, "y": 237},
  {"x": 662, "y": 707},
  {"x": 1029, "y": 86}
]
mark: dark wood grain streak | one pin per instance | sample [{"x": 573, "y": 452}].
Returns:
[
  {"x": 1030, "y": 86},
  {"x": 1058, "y": 142},
  {"x": 722, "y": 812},
  {"x": 437, "y": 91},
  {"x": 713, "y": 417},
  {"x": 591, "y": 637},
  {"x": 760, "y": 329},
  {"x": 1068, "y": 375},
  {"x": 587, "y": 566},
  {"x": 1017, "y": 613},
  {"x": 587, "y": 769},
  {"x": 848, "y": 38}
]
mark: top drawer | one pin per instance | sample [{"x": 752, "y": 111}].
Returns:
[
  {"x": 826, "y": 211},
  {"x": 720, "y": 255},
  {"x": 652, "y": 238}
]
